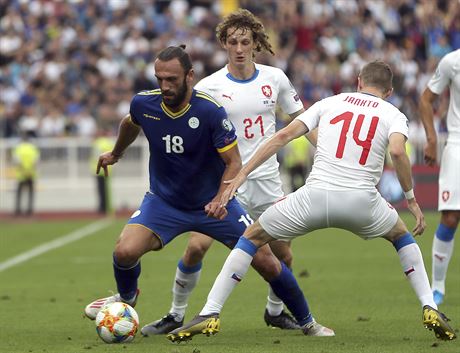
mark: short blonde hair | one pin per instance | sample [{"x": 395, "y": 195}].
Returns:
[{"x": 377, "y": 74}]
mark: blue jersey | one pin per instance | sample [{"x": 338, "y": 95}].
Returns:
[{"x": 185, "y": 166}]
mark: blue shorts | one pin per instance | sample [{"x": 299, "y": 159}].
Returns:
[{"x": 167, "y": 222}]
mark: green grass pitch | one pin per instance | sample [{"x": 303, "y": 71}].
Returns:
[{"x": 355, "y": 287}]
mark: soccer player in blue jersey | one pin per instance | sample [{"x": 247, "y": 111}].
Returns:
[
  {"x": 250, "y": 93},
  {"x": 193, "y": 148}
]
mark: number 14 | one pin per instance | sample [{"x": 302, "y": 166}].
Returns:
[{"x": 365, "y": 144}]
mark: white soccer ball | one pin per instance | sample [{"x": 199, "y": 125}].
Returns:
[{"x": 117, "y": 323}]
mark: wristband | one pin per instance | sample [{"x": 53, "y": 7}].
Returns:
[{"x": 409, "y": 194}]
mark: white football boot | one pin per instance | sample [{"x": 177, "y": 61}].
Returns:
[
  {"x": 92, "y": 309},
  {"x": 315, "y": 329}
]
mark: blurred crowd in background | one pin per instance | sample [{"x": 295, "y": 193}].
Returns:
[{"x": 69, "y": 68}]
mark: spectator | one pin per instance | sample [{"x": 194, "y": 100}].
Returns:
[
  {"x": 321, "y": 45},
  {"x": 53, "y": 124}
]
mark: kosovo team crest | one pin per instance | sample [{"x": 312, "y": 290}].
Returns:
[
  {"x": 193, "y": 122},
  {"x": 267, "y": 91}
]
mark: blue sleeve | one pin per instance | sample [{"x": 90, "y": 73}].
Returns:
[
  {"x": 223, "y": 134},
  {"x": 134, "y": 110}
]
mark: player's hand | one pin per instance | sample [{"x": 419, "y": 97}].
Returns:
[
  {"x": 104, "y": 161},
  {"x": 430, "y": 153},
  {"x": 233, "y": 185},
  {"x": 420, "y": 223},
  {"x": 216, "y": 209}
]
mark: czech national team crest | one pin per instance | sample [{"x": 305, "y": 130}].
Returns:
[
  {"x": 445, "y": 195},
  {"x": 267, "y": 91}
]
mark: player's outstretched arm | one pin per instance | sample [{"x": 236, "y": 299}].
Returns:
[
  {"x": 311, "y": 136},
  {"x": 426, "y": 114},
  {"x": 295, "y": 129},
  {"x": 401, "y": 163},
  {"x": 127, "y": 133}
]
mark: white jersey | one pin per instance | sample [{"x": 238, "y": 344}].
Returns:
[
  {"x": 250, "y": 105},
  {"x": 448, "y": 74},
  {"x": 353, "y": 133}
]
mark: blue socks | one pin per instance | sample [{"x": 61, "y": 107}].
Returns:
[
  {"x": 189, "y": 269},
  {"x": 126, "y": 278},
  {"x": 246, "y": 245},
  {"x": 287, "y": 289},
  {"x": 406, "y": 239},
  {"x": 445, "y": 233}
]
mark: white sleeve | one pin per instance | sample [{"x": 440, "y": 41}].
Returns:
[
  {"x": 400, "y": 124},
  {"x": 311, "y": 116},
  {"x": 288, "y": 98},
  {"x": 441, "y": 77},
  {"x": 202, "y": 86}
]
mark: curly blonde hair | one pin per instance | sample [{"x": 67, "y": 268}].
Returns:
[{"x": 246, "y": 21}]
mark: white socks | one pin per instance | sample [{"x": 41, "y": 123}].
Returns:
[
  {"x": 441, "y": 252},
  {"x": 184, "y": 283},
  {"x": 412, "y": 263},
  {"x": 274, "y": 304},
  {"x": 233, "y": 271}
]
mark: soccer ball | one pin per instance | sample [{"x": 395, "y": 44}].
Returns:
[{"x": 117, "y": 322}]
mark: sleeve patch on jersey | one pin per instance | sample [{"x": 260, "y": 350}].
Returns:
[
  {"x": 227, "y": 125},
  {"x": 226, "y": 148}
]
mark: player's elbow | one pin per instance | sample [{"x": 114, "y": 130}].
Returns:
[
  {"x": 397, "y": 152},
  {"x": 235, "y": 164},
  {"x": 282, "y": 137},
  {"x": 427, "y": 98}
]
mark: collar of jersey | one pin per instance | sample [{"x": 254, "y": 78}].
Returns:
[
  {"x": 370, "y": 94},
  {"x": 172, "y": 114},
  {"x": 252, "y": 78}
]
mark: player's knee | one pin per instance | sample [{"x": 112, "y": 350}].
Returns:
[
  {"x": 125, "y": 256},
  {"x": 450, "y": 218},
  {"x": 267, "y": 265},
  {"x": 194, "y": 254},
  {"x": 272, "y": 271},
  {"x": 397, "y": 231},
  {"x": 287, "y": 259},
  {"x": 283, "y": 252}
]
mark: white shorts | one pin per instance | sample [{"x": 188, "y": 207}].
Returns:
[
  {"x": 363, "y": 212},
  {"x": 449, "y": 179},
  {"x": 256, "y": 195}
]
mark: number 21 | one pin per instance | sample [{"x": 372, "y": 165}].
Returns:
[
  {"x": 248, "y": 123},
  {"x": 365, "y": 144}
]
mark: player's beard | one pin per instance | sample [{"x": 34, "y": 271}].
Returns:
[{"x": 178, "y": 98}]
